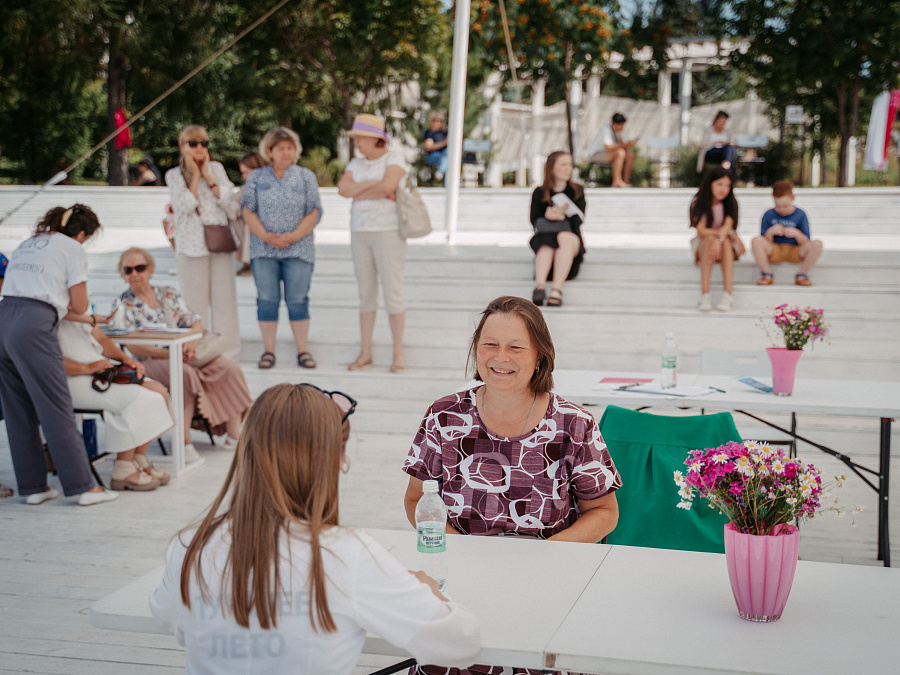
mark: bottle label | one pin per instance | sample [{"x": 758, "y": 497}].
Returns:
[
  {"x": 432, "y": 540},
  {"x": 669, "y": 361}
]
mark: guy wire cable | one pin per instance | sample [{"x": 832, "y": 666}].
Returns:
[{"x": 62, "y": 174}]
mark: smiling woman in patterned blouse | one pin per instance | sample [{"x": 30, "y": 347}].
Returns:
[
  {"x": 512, "y": 457},
  {"x": 281, "y": 206}
]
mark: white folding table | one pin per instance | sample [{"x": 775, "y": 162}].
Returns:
[
  {"x": 174, "y": 341},
  {"x": 593, "y": 608},
  {"x": 830, "y": 397}
]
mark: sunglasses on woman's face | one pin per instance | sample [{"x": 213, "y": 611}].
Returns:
[
  {"x": 344, "y": 402},
  {"x": 194, "y": 144},
  {"x": 137, "y": 268}
]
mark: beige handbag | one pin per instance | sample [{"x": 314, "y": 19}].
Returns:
[
  {"x": 209, "y": 348},
  {"x": 411, "y": 211}
]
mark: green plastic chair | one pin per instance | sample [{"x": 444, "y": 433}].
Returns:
[{"x": 647, "y": 450}]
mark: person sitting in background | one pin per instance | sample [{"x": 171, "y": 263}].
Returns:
[
  {"x": 45, "y": 283},
  {"x": 249, "y": 162},
  {"x": 611, "y": 147},
  {"x": 435, "y": 144},
  {"x": 557, "y": 243},
  {"x": 717, "y": 147},
  {"x": 217, "y": 390},
  {"x": 784, "y": 237},
  {"x": 714, "y": 212},
  {"x": 146, "y": 173},
  {"x": 134, "y": 414},
  {"x": 269, "y": 564}
]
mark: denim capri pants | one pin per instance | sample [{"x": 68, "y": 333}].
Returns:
[{"x": 270, "y": 274}]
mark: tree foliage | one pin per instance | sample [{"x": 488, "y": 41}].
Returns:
[
  {"x": 827, "y": 55},
  {"x": 550, "y": 39},
  {"x": 312, "y": 65}
]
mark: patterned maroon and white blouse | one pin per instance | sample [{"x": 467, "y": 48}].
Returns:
[{"x": 512, "y": 486}]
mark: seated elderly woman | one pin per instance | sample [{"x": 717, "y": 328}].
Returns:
[
  {"x": 134, "y": 414},
  {"x": 217, "y": 389},
  {"x": 512, "y": 457}
]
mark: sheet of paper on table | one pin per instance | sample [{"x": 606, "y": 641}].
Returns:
[
  {"x": 678, "y": 392},
  {"x": 560, "y": 200}
]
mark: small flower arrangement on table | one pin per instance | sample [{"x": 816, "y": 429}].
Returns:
[
  {"x": 755, "y": 486},
  {"x": 798, "y": 326}
]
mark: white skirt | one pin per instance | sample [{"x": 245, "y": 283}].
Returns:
[{"x": 133, "y": 414}]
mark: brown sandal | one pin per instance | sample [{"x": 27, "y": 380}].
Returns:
[
  {"x": 764, "y": 280},
  {"x": 266, "y": 361}
]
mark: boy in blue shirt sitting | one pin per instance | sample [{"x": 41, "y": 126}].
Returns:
[{"x": 785, "y": 238}]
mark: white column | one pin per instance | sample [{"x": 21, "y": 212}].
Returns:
[
  {"x": 455, "y": 118},
  {"x": 684, "y": 100},
  {"x": 593, "y": 88},
  {"x": 850, "y": 171},
  {"x": 493, "y": 173},
  {"x": 664, "y": 87},
  {"x": 816, "y": 170},
  {"x": 537, "y": 136}
]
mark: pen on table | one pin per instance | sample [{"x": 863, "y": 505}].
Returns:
[
  {"x": 721, "y": 391},
  {"x": 628, "y": 386}
]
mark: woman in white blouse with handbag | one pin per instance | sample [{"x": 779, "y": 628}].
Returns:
[
  {"x": 202, "y": 196},
  {"x": 379, "y": 252}
]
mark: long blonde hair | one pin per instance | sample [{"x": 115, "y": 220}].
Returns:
[{"x": 285, "y": 472}]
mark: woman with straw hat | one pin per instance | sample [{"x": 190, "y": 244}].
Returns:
[{"x": 379, "y": 252}]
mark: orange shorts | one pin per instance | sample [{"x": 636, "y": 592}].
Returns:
[{"x": 785, "y": 253}]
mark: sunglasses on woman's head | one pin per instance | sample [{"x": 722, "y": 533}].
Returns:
[
  {"x": 137, "y": 268},
  {"x": 346, "y": 403},
  {"x": 194, "y": 144}
]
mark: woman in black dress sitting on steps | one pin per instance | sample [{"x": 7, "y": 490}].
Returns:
[{"x": 557, "y": 243}]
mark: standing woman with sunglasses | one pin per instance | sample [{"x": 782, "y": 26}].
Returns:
[
  {"x": 201, "y": 194},
  {"x": 270, "y": 567},
  {"x": 46, "y": 282}
]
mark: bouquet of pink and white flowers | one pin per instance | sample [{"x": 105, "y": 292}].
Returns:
[
  {"x": 756, "y": 486},
  {"x": 798, "y": 326}
]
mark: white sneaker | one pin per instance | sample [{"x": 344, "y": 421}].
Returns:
[
  {"x": 726, "y": 304},
  {"x": 41, "y": 497},
  {"x": 705, "y": 303},
  {"x": 91, "y": 498},
  {"x": 190, "y": 452}
]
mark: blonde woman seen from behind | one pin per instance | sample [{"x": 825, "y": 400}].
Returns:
[
  {"x": 269, "y": 565},
  {"x": 379, "y": 252},
  {"x": 201, "y": 194}
]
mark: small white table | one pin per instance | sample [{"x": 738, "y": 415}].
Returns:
[
  {"x": 174, "y": 341},
  {"x": 829, "y": 397},
  {"x": 652, "y": 611}
]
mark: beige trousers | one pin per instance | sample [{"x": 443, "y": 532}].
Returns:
[
  {"x": 379, "y": 256},
  {"x": 208, "y": 286}
]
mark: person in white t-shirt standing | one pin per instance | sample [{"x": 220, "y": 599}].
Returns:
[
  {"x": 269, "y": 582},
  {"x": 45, "y": 283},
  {"x": 379, "y": 252}
]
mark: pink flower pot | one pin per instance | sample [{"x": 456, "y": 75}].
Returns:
[
  {"x": 784, "y": 365},
  {"x": 761, "y": 571}
]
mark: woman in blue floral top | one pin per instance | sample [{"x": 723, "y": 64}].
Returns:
[
  {"x": 281, "y": 207},
  {"x": 217, "y": 390}
]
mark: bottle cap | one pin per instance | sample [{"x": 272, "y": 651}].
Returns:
[{"x": 430, "y": 486}]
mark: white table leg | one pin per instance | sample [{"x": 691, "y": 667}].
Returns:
[{"x": 176, "y": 391}]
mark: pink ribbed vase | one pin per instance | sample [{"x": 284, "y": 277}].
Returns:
[
  {"x": 761, "y": 571},
  {"x": 784, "y": 365}
]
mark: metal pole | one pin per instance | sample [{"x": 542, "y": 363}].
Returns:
[{"x": 455, "y": 118}]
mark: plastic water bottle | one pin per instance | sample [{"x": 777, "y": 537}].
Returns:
[
  {"x": 431, "y": 530},
  {"x": 668, "y": 376}
]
